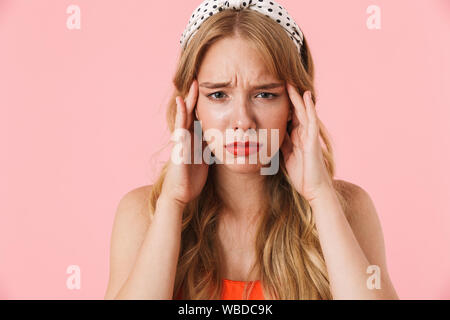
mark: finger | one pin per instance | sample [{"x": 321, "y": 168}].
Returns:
[
  {"x": 191, "y": 98},
  {"x": 178, "y": 135},
  {"x": 299, "y": 106},
  {"x": 206, "y": 151},
  {"x": 313, "y": 126},
  {"x": 191, "y": 101},
  {"x": 180, "y": 118}
]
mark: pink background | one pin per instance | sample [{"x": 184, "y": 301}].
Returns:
[{"x": 82, "y": 113}]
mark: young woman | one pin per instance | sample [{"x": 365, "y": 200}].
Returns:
[{"x": 224, "y": 230}]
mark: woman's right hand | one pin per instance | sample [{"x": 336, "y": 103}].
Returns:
[{"x": 185, "y": 181}]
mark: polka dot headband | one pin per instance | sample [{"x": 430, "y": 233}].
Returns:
[{"x": 269, "y": 8}]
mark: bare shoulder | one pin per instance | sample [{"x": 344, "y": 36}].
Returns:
[
  {"x": 131, "y": 222},
  {"x": 346, "y": 188},
  {"x": 363, "y": 218},
  {"x": 135, "y": 201},
  {"x": 356, "y": 198}
]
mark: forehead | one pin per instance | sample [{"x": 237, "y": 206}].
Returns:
[{"x": 231, "y": 58}]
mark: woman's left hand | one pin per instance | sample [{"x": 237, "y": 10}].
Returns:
[{"x": 302, "y": 150}]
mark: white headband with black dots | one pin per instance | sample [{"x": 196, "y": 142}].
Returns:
[{"x": 270, "y": 9}]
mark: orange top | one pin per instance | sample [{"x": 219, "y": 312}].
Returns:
[{"x": 233, "y": 290}]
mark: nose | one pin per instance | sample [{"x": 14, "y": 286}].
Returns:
[{"x": 242, "y": 116}]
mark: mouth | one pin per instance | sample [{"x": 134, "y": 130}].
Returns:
[{"x": 243, "y": 148}]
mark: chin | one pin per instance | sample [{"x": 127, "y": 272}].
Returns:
[{"x": 243, "y": 168}]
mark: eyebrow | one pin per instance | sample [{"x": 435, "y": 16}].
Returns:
[{"x": 211, "y": 85}]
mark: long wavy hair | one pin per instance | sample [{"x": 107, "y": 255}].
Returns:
[{"x": 289, "y": 258}]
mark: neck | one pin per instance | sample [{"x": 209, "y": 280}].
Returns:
[{"x": 242, "y": 193}]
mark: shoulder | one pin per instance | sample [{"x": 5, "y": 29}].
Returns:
[
  {"x": 357, "y": 199},
  {"x": 132, "y": 217},
  {"x": 363, "y": 218},
  {"x": 348, "y": 189},
  {"x": 131, "y": 222},
  {"x": 135, "y": 201}
]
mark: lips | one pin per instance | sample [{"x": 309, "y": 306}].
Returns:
[{"x": 243, "y": 148}]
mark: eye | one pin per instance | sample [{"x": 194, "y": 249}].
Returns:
[
  {"x": 267, "y": 95},
  {"x": 213, "y": 94}
]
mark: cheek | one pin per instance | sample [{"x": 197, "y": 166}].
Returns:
[
  {"x": 275, "y": 118},
  {"x": 278, "y": 111},
  {"x": 275, "y": 136},
  {"x": 276, "y": 123},
  {"x": 211, "y": 118},
  {"x": 213, "y": 123}
]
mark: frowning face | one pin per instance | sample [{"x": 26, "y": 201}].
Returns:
[{"x": 237, "y": 93}]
